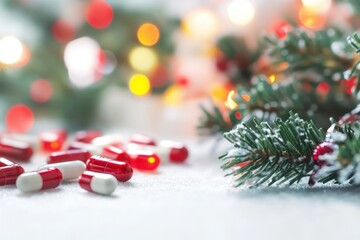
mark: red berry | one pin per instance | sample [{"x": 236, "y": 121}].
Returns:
[
  {"x": 222, "y": 63},
  {"x": 320, "y": 150}
]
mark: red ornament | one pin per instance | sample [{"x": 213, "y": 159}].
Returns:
[
  {"x": 321, "y": 149},
  {"x": 99, "y": 14}
]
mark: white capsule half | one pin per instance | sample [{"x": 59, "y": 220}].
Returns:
[
  {"x": 70, "y": 170},
  {"x": 100, "y": 183}
]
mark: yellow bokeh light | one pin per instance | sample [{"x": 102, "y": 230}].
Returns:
[
  {"x": 319, "y": 6},
  {"x": 173, "y": 95},
  {"x": 272, "y": 78},
  {"x": 311, "y": 19},
  {"x": 148, "y": 34},
  {"x": 143, "y": 59},
  {"x": 151, "y": 160},
  {"x": 230, "y": 103},
  {"x": 219, "y": 93},
  {"x": 202, "y": 24},
  {"x": 139, "y": 85},
  {"x": 241, "y": 12},
  {"x": 11, "y": 50}
]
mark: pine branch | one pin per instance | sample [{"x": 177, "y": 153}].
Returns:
[
  {"x": 324, "y": 52},
  {"x": 270, "y": 155}
]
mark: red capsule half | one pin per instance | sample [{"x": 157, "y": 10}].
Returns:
[
  {"x": 121, "y": 170},
  {"x": 87, "y": 136},
  {"x": 15, "y": 150},
  {"x": 143, "y": 160},
  {"x": 142, "y": 139},
  {"x": 5, "y": 162},
  {"x": 9, "y": 174},
  {"x": 116, "y": 153},
  {"x": 69, "y": 155},
  {"x": 53, "y": 141},
  {"x": 177, "y": 151}
]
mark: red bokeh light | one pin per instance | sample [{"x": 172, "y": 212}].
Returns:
[
  {"x": 62, "y": 31},
  {"x": 159, "y": 76},
  {"x": 41, "y": 91},
  {"x": 281, "y": 29},
  {"x": 99, "y": 14},
  {"x": 19, "y": 118},
  {"x": 323, "y": 88}
]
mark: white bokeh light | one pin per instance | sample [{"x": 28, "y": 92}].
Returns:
[
  {"x": 11, "y": 50},
  {"x": 241, "y": 12},
  {"x": 81, "y": 58}
]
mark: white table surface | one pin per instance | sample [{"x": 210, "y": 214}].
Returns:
[{"x": 192, "y": 201}]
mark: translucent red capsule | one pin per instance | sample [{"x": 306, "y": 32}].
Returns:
[
  {"x": 86, "y": 136},
  {"x": 53, "y": 141},
  {"x": 15, "y": 150},
  {"x": 142, "y": 139},
  {"x": 9, "y": 172},
  {"x": 98, "y": 182},
  {"x": 143, "y": 160},
  {"x": 69, "y": 155},
  {"x": 121, "y": 170},
  {"x": 178, "y": 152},
  {"x": 39, "y": 180},
  {"x": 116, "y": 153}
]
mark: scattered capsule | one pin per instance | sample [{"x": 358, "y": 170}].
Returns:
[
  {"x": 168, "y": 151},
  {"x": 86, "y": 136},
  {"x": 69, "y": 170},
  {"x": 52, "y": 141},
  {"x": 107, "y": 140},
  {"x": 5, "y": 162},
  {"x": 142, "y": 139},
  {"x": 9, "y": 173},
  {"x": 116, "y": 153},
  {"x": 94, "y": 150},
  {"x": 69, "y": 155},
  {"x": 100, "y": 183},
  {"x": 143, "y": 160},
  {"x": 121, "y": 170},
  {"x": 15, "y": 150},
  {"x": 39, "y": 180},
  {"x": 177, "y": 151}
]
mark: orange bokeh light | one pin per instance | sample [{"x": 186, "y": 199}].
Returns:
[
  {"x": 311, "y": 19},
  {"x": 148, "y": 34},
  {"x": 19, "y": 118}
]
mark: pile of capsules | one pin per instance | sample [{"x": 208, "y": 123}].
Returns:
[{"x": 98, "y": 161}]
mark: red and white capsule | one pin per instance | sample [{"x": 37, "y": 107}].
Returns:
[
  {"x": 69, "y": 155},
  {"x": 69, "y": 170},
  {"x": 108, "y": 140},
  {"x": 52, "y": 141},
  {"x": 168, "y": 151},
  {"x": 15, "y": 150},
  {"x": 86, "y": 136},
  {"x": 40, "y": 180},
  {"x": 9, "y": 172},
  {"x": 121, "y": 170},
  {"x": 100, "y": 183},
  {"x": 116, "y": 153}
]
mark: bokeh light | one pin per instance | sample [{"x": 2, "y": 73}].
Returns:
[
  {"x": 41, "y": 91},
  {"x": 25, "y": 57},
  {"x": 201, "y": 24},
  {"x": 11, "y": 50},
  {"x": 62, "y": 31},
  {"x": 323, "y": 88},
  {"x": 230, "y": 103},
  {"x": 319, "y": 6},
  {"x": 159, "y": 76},
  {"x": 241, "y": 12},
  {"x": 173, "y": 95},
  {"x": 139, "y": 85},
  {"x": 143, "y": 59},
  {"x": 311, "y": 19},
  {"x": 148, "y": 34},
  {"x": 99, "y": 14},
  {"x": 82, "y": 58},
  {"x": 19, "y": 119}
]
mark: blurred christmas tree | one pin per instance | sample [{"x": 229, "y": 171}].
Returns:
[{"x": 78, "y": 50}]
